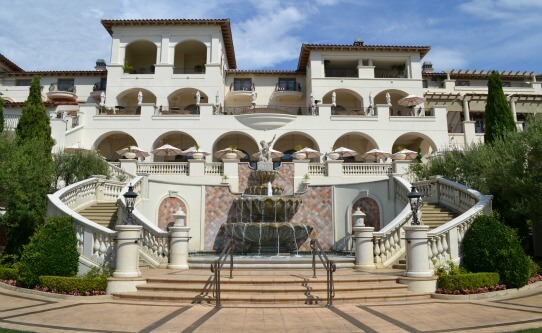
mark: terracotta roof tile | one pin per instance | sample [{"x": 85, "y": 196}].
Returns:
[
  {"x": 10, "y": 64},
  {"x": 56, "y": 73}
]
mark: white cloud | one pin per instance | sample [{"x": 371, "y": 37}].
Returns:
[{"x": 444, "y": 59}]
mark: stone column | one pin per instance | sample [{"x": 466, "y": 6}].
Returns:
[
  {"x": 178, "y": 246},
  {"x": 129, "y": 165},
  {"x": 231, "y": 171},
  {"x": 196, "y": 168},
  {"x": 466, "y": 111},
  {"x": 519, "y": 124},
  {"x": 127, "y": 264},
  {"x": 417, "y": 251},
  {"x": 363, "y": 237},
  {"x": 334, "y": 168}
]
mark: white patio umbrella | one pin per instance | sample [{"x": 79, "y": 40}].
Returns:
[
  {"x": 167, "y": 150},
  {"x": 192, "y": 150},
  {"x": 274, "y": 154},
  {"x": 411, "y": 100},
  {"x": 376, "y": 154},
  {"x": 409, "y": 154},
  {"x": 222, "y": 152},
  {"x": 311, "y": 153},
  {"x": 134, "y": 149},
  {"x": 77, "y": 147},
  {"x": 345, "y": 152}
]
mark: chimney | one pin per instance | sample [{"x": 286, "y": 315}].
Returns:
[
  {"x": 100, "y": 65},
  {"x": 427, "y": 67},
  {"x": 358, "y": 42}
]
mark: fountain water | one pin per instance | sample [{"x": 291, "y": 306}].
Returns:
[{"x": 264, "y": 218}]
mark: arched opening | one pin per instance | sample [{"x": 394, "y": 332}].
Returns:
[
  {"x": 127, "y": 102},
  {"x": 372, "y": 212},
  {"x": 190, "y": 57},
  {"x": 395, "y": 96},
  {"x": 177, "y": 139},
  {"x": 108, "y": 144},
  {"x": 414, "y": 141},
  {"x": 240, "y": 141},
  {"x": 184, "y": 101},
  {"x": 167, "y": 208},
  {"x": 348, "y": 102},
  {"x": 291, "y": 142},
  {"x": 358, "y": 142},
  {"x": 140, "y": 57}
]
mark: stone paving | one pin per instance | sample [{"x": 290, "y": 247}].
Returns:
[{"x": 43, "y": 313}]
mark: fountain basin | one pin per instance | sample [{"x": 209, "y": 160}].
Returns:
[
  {"x": 269, "y": 237},
  {"x": 263, "y": 208}
]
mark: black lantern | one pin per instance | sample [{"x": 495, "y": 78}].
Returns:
[
  {"x": 130, "y": 197},
  {"x": 415, "y": 199}
]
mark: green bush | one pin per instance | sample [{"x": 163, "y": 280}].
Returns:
[
  {"x": 8, "y": 273},
  {"x": 468, "y": 281},
  {"x": 69, "y": 285},
  {"x": 52, "y": 251},
  {"x": 490, "y": 246},
  {"x": 534, "y": 268}
]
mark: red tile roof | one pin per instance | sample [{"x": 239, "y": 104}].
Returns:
[
  {"x": 10, "y": 64},
  {"x": 307, "y": 48},
  {"x": 56, "y": 73},
  {"x": 223, "y": 23}
]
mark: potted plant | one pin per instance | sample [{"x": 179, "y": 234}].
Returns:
[
  {"x": 306, "y": 178},
  {"x": 129, "y": 154},
  {"x": 197, "y": 155},
  {"x": 333, "y": 155},
  {"x": 297, "y": 155},
  {"x": 224, "y": 179},
  {"x": 231, "y": 155},
  {"x": 128, "y": 69}
]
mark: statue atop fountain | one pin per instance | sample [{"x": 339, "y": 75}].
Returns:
[{"x": 266, "y": 162}]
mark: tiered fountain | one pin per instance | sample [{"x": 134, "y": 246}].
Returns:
[
  {"x": 264, "y": 218},
  {"x": 264, "y": 213}
]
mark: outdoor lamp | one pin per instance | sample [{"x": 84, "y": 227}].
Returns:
[
  {"x": 130, "y": 197},
  {"x": 415, "y": 199}
]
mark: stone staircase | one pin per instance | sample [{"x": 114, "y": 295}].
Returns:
[
  {"x": 103, "y": 213},
  {"x": 271, "y": 286},
  {"x": 434, "y": 216}
]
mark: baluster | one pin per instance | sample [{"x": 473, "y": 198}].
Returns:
[
  {"x": 445, "y": 246},
  {"x": 439, "y": 247},
  {"x": 383, "y": 249},
  {"x": 377, "y": 250},
  {"x": 434, "y": 249},
  {"x": 387, "y": 245},
  {"x": 397, "y": 239}
]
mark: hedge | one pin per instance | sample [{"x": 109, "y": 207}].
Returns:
[
  {"x": 468, "y": 281},
  {"x": 81, "y": 285},
  {"x": 8, "y": 273}
]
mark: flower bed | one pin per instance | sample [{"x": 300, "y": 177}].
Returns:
[{"x": 480, "y": 290}]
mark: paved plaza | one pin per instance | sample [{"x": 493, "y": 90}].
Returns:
[{"x": 38, "y": 313}]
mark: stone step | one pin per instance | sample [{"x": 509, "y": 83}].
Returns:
[{"x": 274, "y": 262}]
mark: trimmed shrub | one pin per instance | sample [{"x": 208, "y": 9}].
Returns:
[
  {"x": 8, "y": 273},
  {"x": 490, "y": 246},
  {"x": 52, "y": 251},
  {"x": 73, "y": 285},
  {"x": 468, "y": 281}
]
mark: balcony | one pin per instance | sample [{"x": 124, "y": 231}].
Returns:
[
  {"x": 276, "y": 109},
  {"x": 345, "y": 111},
  {"x": 140, "y": 70},
  {"x": 62, "y": 94},
  {"x": 288, "y": 92},
  {"x": 241, "y": 92},
  {"x": 97, "y": 90},
  {"x": 341, "y": 72},
  {"x": 199, "y": 69}
]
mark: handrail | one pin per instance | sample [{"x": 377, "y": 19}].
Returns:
[
  {"x": 329, "y": 266},
  {"x": 217, "y": 265},
  {"x": 120, "y": 173}
]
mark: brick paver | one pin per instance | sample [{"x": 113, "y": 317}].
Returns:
[{"x": 38, "y": 313}]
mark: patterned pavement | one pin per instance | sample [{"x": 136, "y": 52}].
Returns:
[{"x": 43, "y": 313}]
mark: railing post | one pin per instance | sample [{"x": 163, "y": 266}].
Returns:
[
  {"x": 129, "y": 165},
  {"x": 178, "y": 248},
  {"x": 127, "y": 265},
  {"x": 99, "y": 188},
  {"x": 334, "y": 168},
  {"x": 231, "y": 171},
  {"x": 417, "y": 251},
  {"x": 313, "y": 250}
]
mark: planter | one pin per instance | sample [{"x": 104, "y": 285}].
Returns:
[
  {"x": 129, "y": 155},
  {"x": 333, "y": 156},
  {"x": 299, "y": 156},
  {"x": 197, "y": 155},
  {"x": 399, "y": 156},
  {"x": 229, "y": 156}
]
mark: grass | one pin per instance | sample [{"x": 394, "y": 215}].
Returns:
[
  {"x": 530, "y": 330},
  {"x": 5, "y": 330}
]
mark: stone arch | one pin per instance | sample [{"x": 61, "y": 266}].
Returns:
[
  {"x": 358, "y": 141},
  {"x": 108, "y": 144},
  {"x": 371, "y": 209},
  {"x": 128, "y": 98},
  {"x": 413, "y": 141},
  {"x": 184, "y": 100},
  {"x": 167, "y": 207},
  {"x": 242, "y": 141},
  {"x": 190, "y": 57},
  {"x": 140, "y": 55},
  {"x": 177, "y": 139},
  {"x": 348, "y": 101},
  {"x": 395, "y": 95},
  {"x": 286, "y": 143}
]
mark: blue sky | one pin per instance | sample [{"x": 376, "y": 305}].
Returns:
[{"x": 267, "y": 34}]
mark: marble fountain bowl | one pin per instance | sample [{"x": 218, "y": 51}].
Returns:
[
  {"x": 262, "y": 208},
  {"x": 270, "y": 236}
]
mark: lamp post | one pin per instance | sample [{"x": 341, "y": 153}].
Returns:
[
  {"x": 130, "y": 197},
  {"x": 415, "y": 199}
]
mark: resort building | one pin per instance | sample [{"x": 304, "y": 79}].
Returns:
[{"x": 176, "y": 82}]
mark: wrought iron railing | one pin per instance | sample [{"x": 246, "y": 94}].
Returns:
[
  {"x": 278, "y": 109},
  {"x": 329, "y": 266},
  {"x": 216, "y": 268}
]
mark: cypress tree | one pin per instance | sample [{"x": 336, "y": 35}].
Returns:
[
  {"x": 34, "y": 122},
  {"x": 499, "y": 118},
  {"x": 1, "y": 115}
]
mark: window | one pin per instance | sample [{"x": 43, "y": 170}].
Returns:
[
  {"x": 23, "y": 82},
  {"x": 462, "y": 83},
  {"x": 65, "y": 84},
  {"x": 287, "y": 85},
  {"x": 242, "y": 84},
  {"x": 425, "y": 84}
]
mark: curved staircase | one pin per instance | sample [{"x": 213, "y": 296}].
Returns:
[{"x": 103, "y": 213}]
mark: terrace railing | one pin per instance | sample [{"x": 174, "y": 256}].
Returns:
[
  {"x": 277, "y": 109},
  {"x": 163, "y": 168},
  {"x": 367, "y": 169},
  {"x": 214, "y": 169}
]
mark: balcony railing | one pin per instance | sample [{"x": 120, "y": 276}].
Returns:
[
  {"x": 189, "y": 70},
  {"x": 411, "y": 112},
  {"x": 389, "y": 73},
  {"x": 342, "y": 111},
  {"x": 341, "y": 72},
  {"x": 278, "y": 109},
  {"x": 281, "y": 87},
  {"x": 237, "y": 87},
  {"x": 140, "y": 70},
  {"x": 119, "y": 110},
  {"x": 11, "y": 121}
]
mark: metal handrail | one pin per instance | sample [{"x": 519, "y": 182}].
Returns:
[
  {"x": 330, "y": 267},
  {"x": 217, "y": 265}
]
